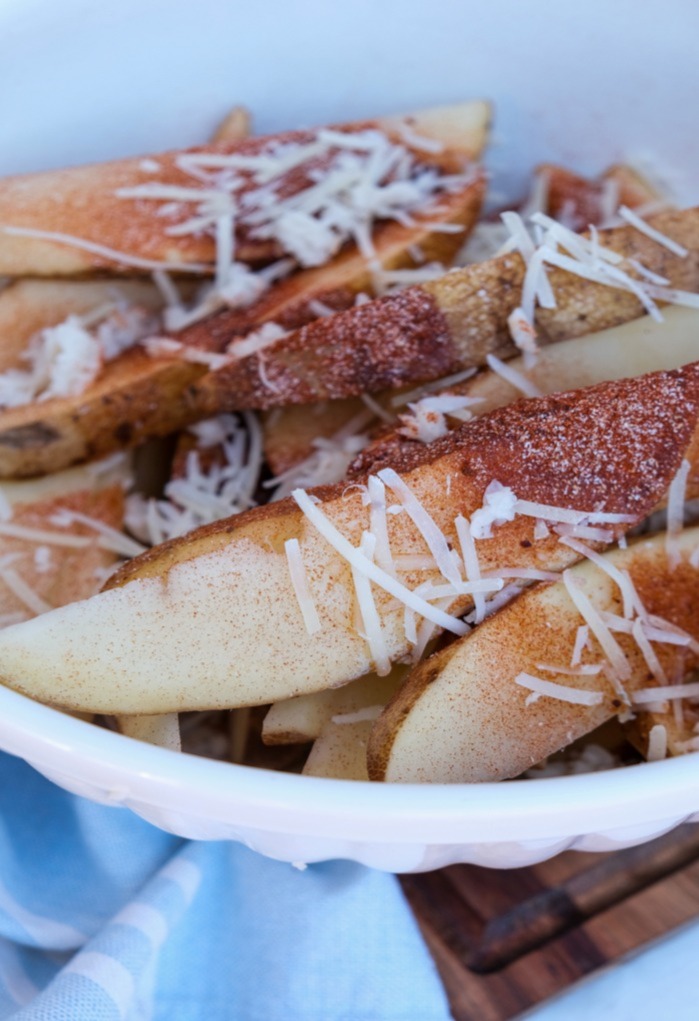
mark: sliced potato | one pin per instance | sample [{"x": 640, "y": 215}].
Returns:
[
  {"x": 28, "y": 306},
  {"x": 304, "y": 717},
  {"x": 442, "y": 326},
  {"x": 83, "y": 202},
  {"x": 137, "y": 396},
  {"x": 339, "y": 751},
  {"x": 641, "y": 345},
  {"x": 234, "y": 127},
  {"x": 162, "y": 730},
  {"x": 579, "y": 201},
  {"x": 462, "y": 718},
  {"x": 51, "y": 571},
  {"x": 212, "y": 620}
]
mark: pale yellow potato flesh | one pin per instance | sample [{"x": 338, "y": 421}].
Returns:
[
  {"x": 212, "y": 620},
  {"x": 304, "y": 717},
  {"x": 461, "y": 718},
  {"x": 642, "y": 345},
  {"x": 339, "y": 751},
  {"x": 162, "y": 729},
  {"x": 234, "y": 127}
]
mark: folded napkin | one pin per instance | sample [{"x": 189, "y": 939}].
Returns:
[{"x": 103, "y": 916}]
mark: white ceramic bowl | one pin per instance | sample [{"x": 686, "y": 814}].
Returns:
[{"x": 586, "y": 84}]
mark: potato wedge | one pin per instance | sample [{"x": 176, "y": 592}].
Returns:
[
  {"x": 137, "y": 396},
  {"x": 57, "y": 565},
  {"x": 578, "y": 201},
  {"x": 212, "y": 620},
  {"x": 642, "y": 345},
  {"x": 339, "y": 751},
  {"x": 462, "y": 718},
  {"x": 304, "y": 717},
  {"x": 162, "y": 730},
  {"x": 28, "y": 306},
  {"x": 82, "y": 202},
  {"x": 442, "y": 326},
  {"x": 234, "y": 127}
]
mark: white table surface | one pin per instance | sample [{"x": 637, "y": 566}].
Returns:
[{"x": 656, "y": 983}]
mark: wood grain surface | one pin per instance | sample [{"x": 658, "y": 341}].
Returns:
[{"x": 504, "y": 941}]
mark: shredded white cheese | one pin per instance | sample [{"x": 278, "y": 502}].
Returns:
[
  {"x": 665, "y": 692},
  {"x": 583, "y": 670},
  {"x": 652, "y": 661},
  {"x": 512, "y": 376},
  {"x": 378, "y": 524},
  {"x": 675, "y": 513},
  {"x": 599, "y": 629},
  {"x": 499, "y": 503},
  {"x": 645, "y": 228},
  {"x": 581, "y": 640},
  {"x": 112, "y": 254},
  {"x": 629, "y": 595},
  {"x": 44, "y": 536},
  {"x": 561, "y": 692},
  {"x": 226, "y": 487},
  {"x": 471, "y": 564},
  {"x": 63, "y": 360},
  {"x": 371, "y": 621},
  {"x": 435, "y": 539},
  {"x": 357, "y": 559},
  {"x": 427, "y": 420},
  {"x": 657, "y": 743},
  {"x": 364, "y": 715},
  {"x": 24, "y": 592},
  {"x": 302, "y": 591}
]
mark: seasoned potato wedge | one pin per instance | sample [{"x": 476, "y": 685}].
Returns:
[
  {"x": 57, "y": 565},
  {"x": 234, "y": 127},
  {"x": 304, "y": 717},
  {"x": 642, "y": 345},
  {"x": 578, "y": 201},
  {"x": 28, "y": 306},
  {"x": 82, "y": 202},
  {"x": 461, "y": 717},
  {"x": 213, "y": 620},
  {"x": 339, "y": 751},
  {"x": 442, "y": 326}
]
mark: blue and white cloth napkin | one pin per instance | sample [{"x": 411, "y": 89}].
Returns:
[{"x": 104, "y": 917}]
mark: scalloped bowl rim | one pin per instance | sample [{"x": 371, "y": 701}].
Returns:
[{"x": 547, "y": 808}]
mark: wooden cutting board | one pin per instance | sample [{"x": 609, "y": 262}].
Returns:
[{"x": 504, "y": 941}]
